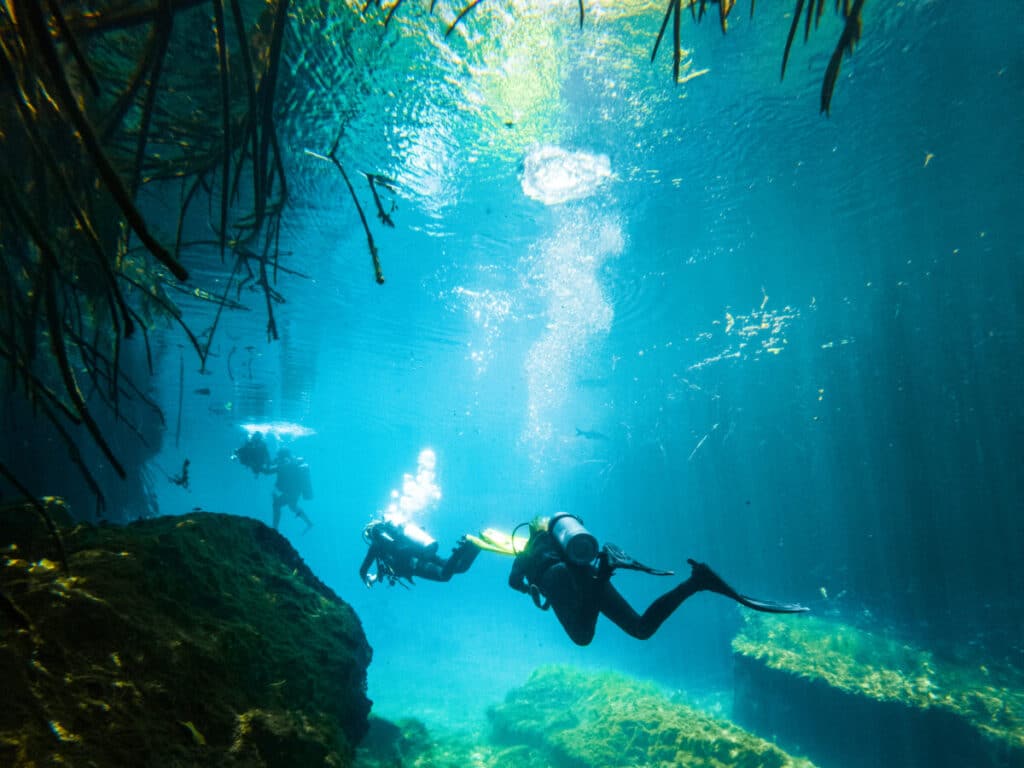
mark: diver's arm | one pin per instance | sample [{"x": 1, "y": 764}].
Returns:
[
  {"x": 517, "y": 576},
  {"x": 371, "y": 555}
]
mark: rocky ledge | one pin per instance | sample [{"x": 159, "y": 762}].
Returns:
[
  {"x": 178, "y": 641},
  {"x": 866, "y": 697}
]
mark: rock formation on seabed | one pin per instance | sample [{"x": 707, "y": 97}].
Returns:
[
  {"x": 200, "y": 640},
  {"x": 867, "y": 697},
  {"x": 569, "y": 718}
]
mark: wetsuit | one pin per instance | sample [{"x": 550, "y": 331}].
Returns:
[
  {"x": 292, "y": 481},
  {"x": 578, "y": 594}
]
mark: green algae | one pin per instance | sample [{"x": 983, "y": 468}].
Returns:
[
  {"x": 565, "y": 717},
  {"x": 582, "y": 718},
  {"x": 195, "y": 640},
  {"x": 883, "y": 667}
]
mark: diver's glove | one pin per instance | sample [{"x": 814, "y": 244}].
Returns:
[{"x": 538, "y": 598}]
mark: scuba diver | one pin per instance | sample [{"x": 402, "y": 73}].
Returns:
[
  {"x": 404, "y": 550},
  {"x": 292, "y": 482},
  {"x": 561, "y": 567},
  {"x": 254, "y": 454}
]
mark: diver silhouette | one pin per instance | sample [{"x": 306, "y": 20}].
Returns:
[
  {"x": 404, "y": 550},
  {"x": 562, "y": 568},
  {"x": 254, "y": 454},
  {"x": 292, "y": 481}
]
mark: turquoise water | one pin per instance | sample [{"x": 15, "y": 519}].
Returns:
[{"x": 784, "y": 344}]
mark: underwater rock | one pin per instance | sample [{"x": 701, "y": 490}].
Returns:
[
  {"x": 178, "y": 641},
  {"x": 407, "y": 743},
  {"x": 578, "y": 719},
  {"x": 393, "y": 744},
  {"x": 857, "y": 698}
]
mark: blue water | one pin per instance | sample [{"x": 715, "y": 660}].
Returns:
[{"x": 850, "y": 440}]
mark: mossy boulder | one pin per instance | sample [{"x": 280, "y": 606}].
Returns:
[
  {"x": 179, "y": 641},
  {"x": 823, "y": 684},
  {"x": 580, "y": 719}
]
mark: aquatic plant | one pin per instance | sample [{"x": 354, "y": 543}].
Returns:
[{"x": 576, "y": 717}]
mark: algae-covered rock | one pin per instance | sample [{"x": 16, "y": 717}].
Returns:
[
  {"x": 823, "y": 683},
  {"x": 178, "y": 641},
  {"x": 600, "y": 720}
]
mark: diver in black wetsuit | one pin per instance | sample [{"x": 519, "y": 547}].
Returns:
[
  {"x": 292, "y": 481},
  {"x": 562, "y": 568},
  {"x": 402, "y": 551},
  {"x": 254, "y": 454}
]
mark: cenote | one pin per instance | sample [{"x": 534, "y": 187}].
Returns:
[{"x": 370, "y": 368}]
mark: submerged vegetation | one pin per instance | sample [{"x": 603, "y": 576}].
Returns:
[
  {"x": 573, "y": 717},
  {"x": 114, "y": 111},
  {"x": 565, "y": 717},
  {"x": 886, "y": 669}
]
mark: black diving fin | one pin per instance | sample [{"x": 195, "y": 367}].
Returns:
[{"x": 710, "y": 581}]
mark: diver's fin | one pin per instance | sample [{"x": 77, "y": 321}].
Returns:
[
  {"x": 710, "y": 581},
  {"x": 482, "y": 544},
  {"x": 770, "y": 606},
  {"x": 494, "y": 540},
  {"x": 616, "y": 558}
]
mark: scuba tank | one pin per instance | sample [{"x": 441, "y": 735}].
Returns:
[
  {"x": 418, "y": 536},
  {"x": 307, "y": 485},
  {"x": 404, "y": 533},
  {"x": 577, "y": 543}
]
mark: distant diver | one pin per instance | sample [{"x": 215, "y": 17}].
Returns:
[
  {"x": 254, "y": 454},
  {"x": 292, "y": 482},
  {"x": 562, "y": 568},
  {"x": 182, "y": 479},
  {"x": 402, "y": 550}
]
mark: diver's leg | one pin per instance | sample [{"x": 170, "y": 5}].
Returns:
[
  {"x": 615, "y": 607},
  {"x": 461, "y": 559},
  {"x": 277, "y": 510},
  {"x": 573, "y": 600},
  {"x": 432, "y": 570},
  {"x": 302, "y": 516}
]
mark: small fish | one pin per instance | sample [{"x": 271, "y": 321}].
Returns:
[
  {"x": 203, "y": 391},
  {"x": 590, "y": 434}
]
